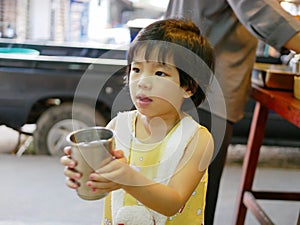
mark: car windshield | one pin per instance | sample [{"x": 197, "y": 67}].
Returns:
[{"x": 99, "y": 21}]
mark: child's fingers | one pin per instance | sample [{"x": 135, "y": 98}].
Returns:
[
  {"x": 97, "y": 178},
  {"x": 102, "y": 187},
  {"x": 67, "y": 161},
  {"x": 72, "y": 183},
  {"x": 67, "y": 150},
  {"x": 118, "y": 154},
  {"x": 72, "y": 174}
]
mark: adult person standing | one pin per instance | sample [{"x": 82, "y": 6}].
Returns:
[{"x": 233, "y": 27}]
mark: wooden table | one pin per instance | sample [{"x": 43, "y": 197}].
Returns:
[{"x": 284, "y": 104}]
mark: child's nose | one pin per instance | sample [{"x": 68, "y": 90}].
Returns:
[{"x": 145, "y": 83}]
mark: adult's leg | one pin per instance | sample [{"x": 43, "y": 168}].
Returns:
[{"x": 222, "y": 140}]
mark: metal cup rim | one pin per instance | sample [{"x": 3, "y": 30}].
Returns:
[{"x": 68, "y": 137}]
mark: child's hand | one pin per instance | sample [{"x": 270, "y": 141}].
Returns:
[
  {"x": 112, "y": 175},
  {"x": 71, "y": 174}
]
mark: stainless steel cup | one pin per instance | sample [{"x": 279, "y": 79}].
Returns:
[{"x": 91, "y": 148}]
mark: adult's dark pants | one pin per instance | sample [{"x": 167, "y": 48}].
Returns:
[{"x": 221, "y": 130}]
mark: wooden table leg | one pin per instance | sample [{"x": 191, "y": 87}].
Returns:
[
  {"x": 251, "y": 203},
  {"x": 255, "y": 139}
]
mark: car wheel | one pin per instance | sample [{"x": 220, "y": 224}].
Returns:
[{"x": 57, "y": 122}]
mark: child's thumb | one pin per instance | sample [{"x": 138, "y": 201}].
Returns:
[{"x": 118, "y": 154}]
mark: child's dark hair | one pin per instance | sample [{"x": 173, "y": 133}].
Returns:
[{"x": 193, "y": 55}]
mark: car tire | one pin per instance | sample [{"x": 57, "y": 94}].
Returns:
[{"x": 57, "y": 122}]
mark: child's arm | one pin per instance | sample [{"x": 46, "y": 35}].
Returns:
[{"x": 164, "y": 199}]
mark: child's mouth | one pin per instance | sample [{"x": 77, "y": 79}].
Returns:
[{"x": 143, "y": 100}]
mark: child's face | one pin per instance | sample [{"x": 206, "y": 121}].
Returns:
[{"x": 154, "y": 86}]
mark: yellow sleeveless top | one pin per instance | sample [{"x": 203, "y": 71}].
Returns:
[{"x": 146, "y": 158}]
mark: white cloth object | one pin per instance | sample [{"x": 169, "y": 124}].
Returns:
[{"x": 134, "y": 215}]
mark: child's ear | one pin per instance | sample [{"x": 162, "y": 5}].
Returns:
[{"x": 188, "y": 94}]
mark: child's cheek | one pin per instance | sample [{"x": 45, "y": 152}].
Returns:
[{"x": 168, "y": 91}]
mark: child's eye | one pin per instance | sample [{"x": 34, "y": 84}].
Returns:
[
  {"x": 135, "y": 69},
  {"x": 160, "y": 73}
]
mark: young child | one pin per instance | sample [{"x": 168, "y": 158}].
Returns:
[{"x": 159, "y": 175}]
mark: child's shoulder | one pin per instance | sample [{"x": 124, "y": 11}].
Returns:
[
  {"x": 190, "y": 120},
  {"x": 200, "y": 134},
  {"x": 121, "y": 116}
]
